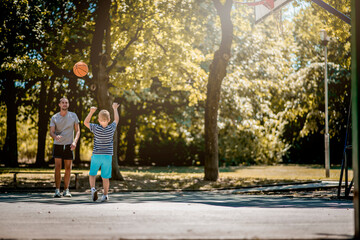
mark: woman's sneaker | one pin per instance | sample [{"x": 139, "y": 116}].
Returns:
[
  {"x": 94, "y": 194},
  {"x": 57, "y": 193},
  {"x": 66, "y": 193},
  {"x": 105, "y": 198}
]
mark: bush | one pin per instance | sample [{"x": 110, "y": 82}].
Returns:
[{"x": 169, "y": 151}]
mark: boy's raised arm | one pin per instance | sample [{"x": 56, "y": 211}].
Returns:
[
  {"x": 116, "y": 114},
  {"x": 88, "y": 117}
]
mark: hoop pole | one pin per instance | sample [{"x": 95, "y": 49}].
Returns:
[
  {"x": 355, "y": 89},
  {"x": 333, "y": 11},
  {"x": 327, "y": 138}
]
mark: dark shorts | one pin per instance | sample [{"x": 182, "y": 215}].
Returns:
[{"x": 63, "y": 151}]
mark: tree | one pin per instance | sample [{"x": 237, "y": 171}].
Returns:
[
  {"x": 151, "y": 110},
  {"x": 140, "y": 41},
  {"x": 46, "y": 97},
  {"x": 217, "y": 74},
  {"x": 252, "y": 110},
  {"x": 16, "y": 68},
  {"x": 99, "y": 60},
  {"x": 306, "y": 117},
  {"x": 62, "y": 37}
]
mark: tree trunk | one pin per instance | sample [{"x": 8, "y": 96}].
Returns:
[
  {"x": 120, "y": 147},
  {"x": 77, "y": 160},
  {"x": 42, "y": 127},
  {"x": 130, "y": 139},
  {"x": 99, "y": 61},
  {"x": 75, "y": 100},
  {"x": 216, "y": 76},
  {"x": 10, "y": 146},
  {"x": 45, "y": 107}
]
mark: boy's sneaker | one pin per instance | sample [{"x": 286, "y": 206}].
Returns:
[
  {"x": 66, "y": 193},
  {"x": 105, "y": 198},
  {"x": 94, "y": 195},
  {"x": 57, "y": 193}
]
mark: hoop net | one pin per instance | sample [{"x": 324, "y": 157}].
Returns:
[{"x": 267, "y": 3}]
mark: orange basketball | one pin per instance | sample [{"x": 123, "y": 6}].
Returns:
[{"x": 80, "y": 69}]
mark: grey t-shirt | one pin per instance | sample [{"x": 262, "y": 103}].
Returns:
[{"x": 64, "y": 126}]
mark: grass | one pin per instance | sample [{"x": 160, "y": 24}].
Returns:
[
  {"x": 289, "y": 172},
  {"x": 182, "y": 178}
]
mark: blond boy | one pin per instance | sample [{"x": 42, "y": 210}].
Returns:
[{"x": 103, "y": 148}]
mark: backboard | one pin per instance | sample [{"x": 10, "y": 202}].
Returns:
[{"x": 264, "y": 8}]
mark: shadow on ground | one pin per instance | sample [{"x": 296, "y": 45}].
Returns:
[{"x": 219, "y": 198}]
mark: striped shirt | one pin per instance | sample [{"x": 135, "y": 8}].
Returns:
[{"x": 103, "y": 138}]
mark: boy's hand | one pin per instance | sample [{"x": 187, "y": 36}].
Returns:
[
  {"x": 115, "y": 105},
  {"x": 93, "y": 109}
]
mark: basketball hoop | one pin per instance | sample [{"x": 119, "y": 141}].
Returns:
[
  {"x": 264, "y": 8},
  {"x": 267, "y": 3}
]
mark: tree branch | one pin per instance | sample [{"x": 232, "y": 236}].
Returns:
[
  {"x": 217, "y": 4},
  {"x": 160, "y": 45},
  {"x": 58, "y": 71},
  {"x": 220, "y": 7},
  {"x": 108, "y": 37},
  {"x": 22, "y": 91},
  {"x": 122, "y": 51}
]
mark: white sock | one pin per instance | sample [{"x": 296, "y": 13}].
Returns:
[{"x": 93, "y": 189}]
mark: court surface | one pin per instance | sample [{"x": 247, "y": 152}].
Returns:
[{"x": 174, "y": 215}]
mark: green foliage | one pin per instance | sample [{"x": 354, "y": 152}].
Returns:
[
  {"x": 272, "y": 99},
  {"x": 164, "y": 49},
  {"x": 306, "y": 116},
  {"x": 26, "y": 145},
  {"x": 167, "y": 142},
  {"x": 251, "y": 121},
  {"x": 307, "y": 25},
  {"x": 161, "y": 149}
]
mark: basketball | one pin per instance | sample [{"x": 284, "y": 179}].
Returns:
[{"x": 80, "y": 69}]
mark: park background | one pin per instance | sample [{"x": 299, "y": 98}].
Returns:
[{"x": 154, "y": 58}]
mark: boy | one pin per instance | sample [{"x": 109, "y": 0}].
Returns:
[{"x": 103, "y": 148}]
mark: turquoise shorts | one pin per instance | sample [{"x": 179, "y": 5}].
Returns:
[{"x": 103, "y": 161}]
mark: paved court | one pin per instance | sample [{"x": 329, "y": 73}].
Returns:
[{"x": 189, "y": 215}]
